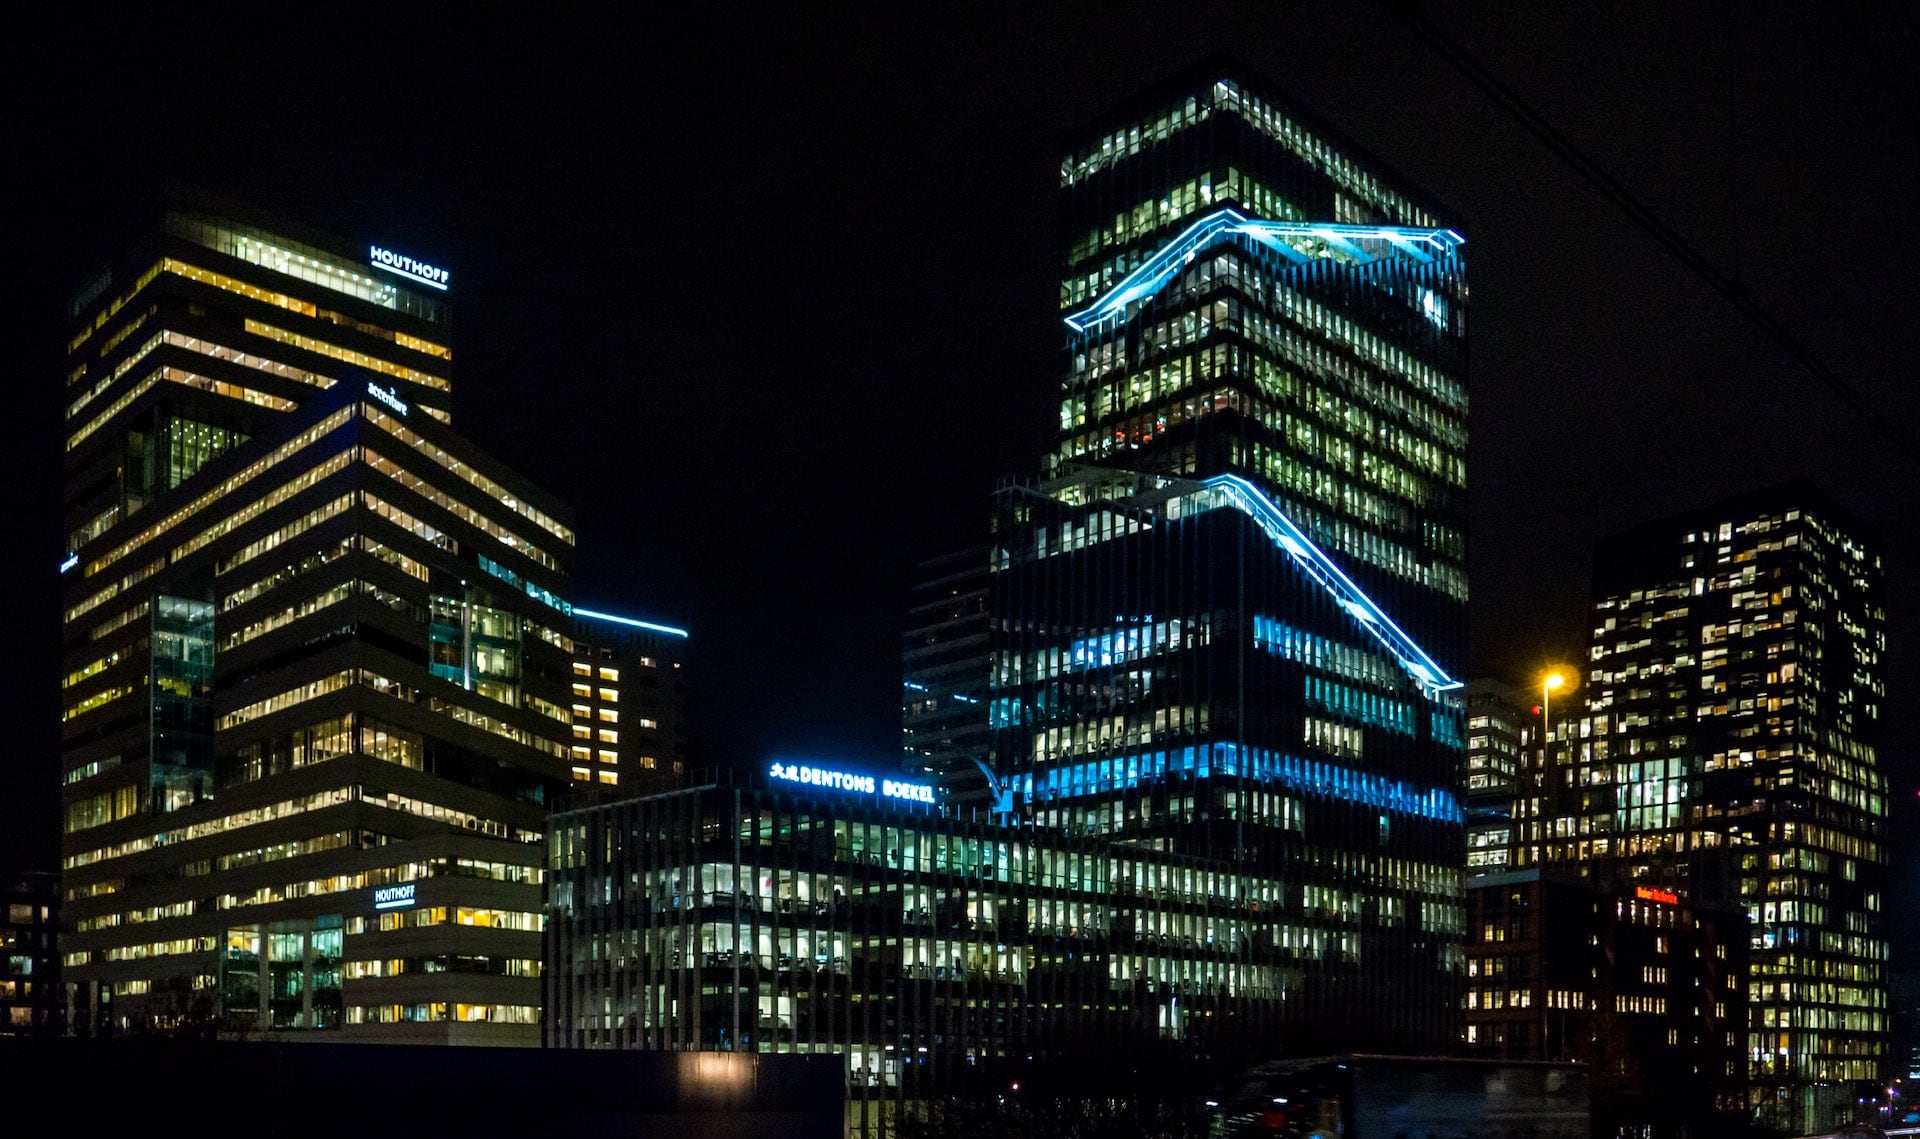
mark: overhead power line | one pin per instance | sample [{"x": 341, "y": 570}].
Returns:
[{"x": 1463, "y": 61}]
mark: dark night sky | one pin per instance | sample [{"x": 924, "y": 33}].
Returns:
[{"x": 769, "y": 295}]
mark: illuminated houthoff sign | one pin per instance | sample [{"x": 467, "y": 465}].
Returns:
[
  {"x": 401, "y": 265},
  {"x": 849, "y": 781},
  {"x": 394, "y": 897},
  {"x": 71, "y": 561},
  {"x": 387, "y": 396},
  {"x": 1649, "y": 894}
]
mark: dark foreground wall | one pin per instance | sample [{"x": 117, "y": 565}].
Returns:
[{"x": 341, "y": 1091}]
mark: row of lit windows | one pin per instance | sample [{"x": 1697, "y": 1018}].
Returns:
[
  {"x": 493, "y": 490},
  {"x": 104, "y": 315},
  {"x": 173, "y": 375},
  {"x": 205, "y": 348},
  {"x": 308, "y": 606},
  {"x": 426, "y": 916},
  {"x": 223, "y": 492},
  {"x": 457, "y": 508},
  {"x": 314, "y": 561},
  {"x": 438, "y": 1011},
  {"x": 300, "y": 260},
  {"x": 454, "y": 963},
  {"x": 346, "y": 355}
]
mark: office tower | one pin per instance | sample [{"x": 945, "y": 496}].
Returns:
[
  {"x": 316, "y": 670},
  {"x": 628, "y": 730},
  {"x": 1222, "y": 803},
  {"x": 1220, "y": 618},
  {"x": 1729, "y": 754},
  {"x": 31, "y": 1001},
  {"x": 1646, "y": 988},
  {"x": 943, "y": 698}
]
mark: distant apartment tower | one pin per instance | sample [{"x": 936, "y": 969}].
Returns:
[
  {"x": 1729, "y": 753},
  {"x": 629, "y": 731},
  {"x": 317, "y": 668},
  {"x": 943, "y": 698},
  {"x": 32, "y": 1002},
  {"x": 1499, "y": 730},
  {"x": 1647, "y": 988}
]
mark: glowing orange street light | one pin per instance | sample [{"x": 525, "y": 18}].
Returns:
[{"x": 1550, "y": 682}]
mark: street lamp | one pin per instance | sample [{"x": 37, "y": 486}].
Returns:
[
  {"x": 1548, "y": 683},
  {"x": 1552, "y": 681}
]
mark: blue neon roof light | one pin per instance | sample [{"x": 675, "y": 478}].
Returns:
[
  {"x": 1227, "y": 224},
  {"x": 1252, "y": 501},
  {"x": 647, "y": 625}
]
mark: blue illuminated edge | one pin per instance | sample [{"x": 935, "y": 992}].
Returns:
[
  {"x": 1157, "y": 270},
  {"x": 648, "y": 625},
  {"x": 1253, "y": 502}
]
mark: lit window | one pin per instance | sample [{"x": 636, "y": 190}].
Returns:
[
  {"x": 583, "y": 775},
  {"x": 609, "y": 695},
  {"x": 581, "y": 754},
  {"x": 610, "y": 716},
  {"x": 582, "y": 711},
  {"x": 583, "y": 691},
  {"x": 609, "y": 736},
  {"x": 609, "y": 777},
  {"x": 612, "y": 674},
  {"x": 582, "y": 732},
  {"x": 609, "y": 756},
  {"x": 582, "y": 668}
]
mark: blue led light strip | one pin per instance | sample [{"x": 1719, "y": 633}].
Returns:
[
  {"x": 1252, "y": 501},
  {"x": 648, "y": 625},
  {"x": 1223, "y": 758},
  {"x": 1226, "y": 224}
]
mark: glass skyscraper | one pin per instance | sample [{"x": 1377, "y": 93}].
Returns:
[
  {"x": 319, "y": 675},
  {"x": 1205, "y": 666},
  {"x": 1219, "y": 620}
]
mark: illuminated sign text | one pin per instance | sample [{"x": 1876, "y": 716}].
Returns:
[
  {"x": 849, "y": 781},
  {"x": 387, "y": 396},
  {"x": 1649, "y": 894},
  {"x": 403, "y": 266},
  {"x": 394, "y": 897}
]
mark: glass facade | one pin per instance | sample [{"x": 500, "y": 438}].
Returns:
[
  {"x": 925, "y": 949},
  {"x": 1222, "y": 622},
  {"x": 1192, "y": 707}
]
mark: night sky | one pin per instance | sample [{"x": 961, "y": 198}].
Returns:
[{"x": 770, "y": 296}]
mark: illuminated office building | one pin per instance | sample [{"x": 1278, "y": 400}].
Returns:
[
  {"x": 1500, "y": 729},
  {"x": 30, "y": 993},
  {"x": 827, "y": 912},
  {"x": 628, "y": 732},
  {"x": 1224, "y": 620},
  {"x": 1729, "y": 754},
  {"x": 1221, "y": 798},
  {"x": 1647, "y": 988},
  {"x": 318, "y": 666}
]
